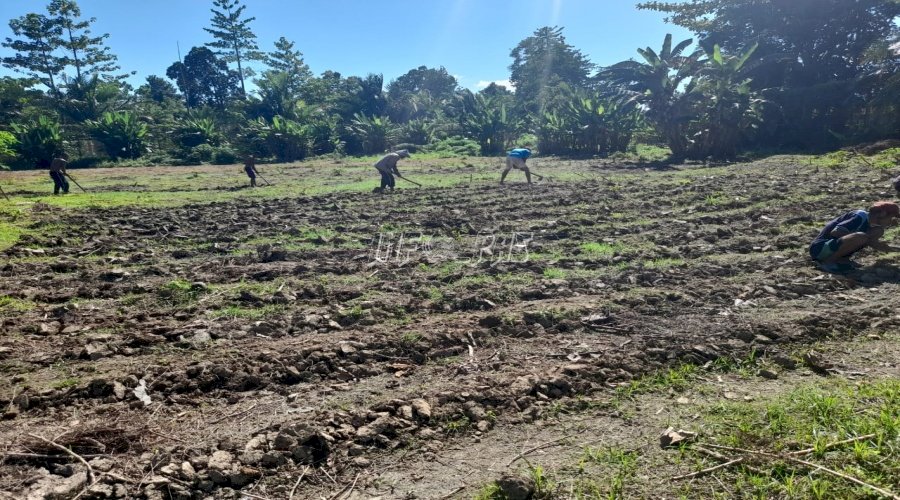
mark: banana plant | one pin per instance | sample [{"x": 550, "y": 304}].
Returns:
[
  {"x": 287, "y": 140},
  {"x": 664, "y": 86},
  {"x": 730, "y": 109},
  {"x": 121, "y": 134},
  {"x": 38, "y": 141},
  {"x": 490, "y": 124}
]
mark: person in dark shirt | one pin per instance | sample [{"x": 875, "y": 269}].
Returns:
[
  {"x": 850, "y": 233},
  {"x": 250, "y": 169},
  {"x": 58, "y": 174}
]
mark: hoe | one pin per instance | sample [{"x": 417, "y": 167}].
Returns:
[{"x": 76, "y": 183}]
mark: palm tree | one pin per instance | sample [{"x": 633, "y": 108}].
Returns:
[{"x": 375, "y": 133}]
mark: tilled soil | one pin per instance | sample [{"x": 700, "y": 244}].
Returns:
[{"x": 324, "y": 345}]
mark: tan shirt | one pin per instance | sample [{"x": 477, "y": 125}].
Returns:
[
  {"x": 58, "y": 165},
  {"x": 388, "y": 163}
]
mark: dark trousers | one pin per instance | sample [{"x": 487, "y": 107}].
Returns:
[
  {"x": 59, "y": 182},
  {"x": 387, "y": 180}
]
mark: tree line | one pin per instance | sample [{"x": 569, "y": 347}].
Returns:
[{"x": 765, "y": 75}]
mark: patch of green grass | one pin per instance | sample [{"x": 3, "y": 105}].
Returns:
[
  {"x": 616, "y": 466},
  {"x": 10, "y": 305},
  {"x": 178, "y": 292},
  {"x": 663, "y": 263},
  {"x": 678, "y": 378},
  {"x": 490, "y": 491},
  {"x": 716, "y": 199},
  {"x": 434, "y": 294},
  {"x": 816, "y": 416},
  {"x": 411, "y": 338},
  {"x": 555, "y": 273},
  {"x": 457, "y": 425},
  {"x": 601, "y": 249},
  {"x": 66, "y": 383},
  {"x": 650, "y": 152}
]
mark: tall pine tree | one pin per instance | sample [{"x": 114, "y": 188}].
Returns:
[
  {"x": 38, "y": 38},
  {"x": 86, "y": 53},
  {"x": 234, "y": 39},
  {"x": 284, "y": 59}
]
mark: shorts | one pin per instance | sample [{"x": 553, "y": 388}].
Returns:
[
  {"x": 823, "y": 249},
  {"x": 516, "y": 163}
]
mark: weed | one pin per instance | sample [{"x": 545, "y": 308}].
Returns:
[
  {"x": 410, "y": 338},
  {"x": 678, "y": 378},
  {"x": 458, "y": 425},
  {"x": 66, "y": 383},
  {"x": 554, "y": 273},
  {"x": 601, "y": 249},
  {"x": 490, "y": 491},
  {"x": 179, "y": 292},
  {"x": 10, "y": 305}
]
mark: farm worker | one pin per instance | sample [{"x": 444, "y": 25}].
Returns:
[
  {"x": 516, "y": 159},
  {"x": 250, "y": 168},
  {"x": 58, "y": 174},
  {"x": 850, "y": 233},
  {"x": 387, "y": 166}
]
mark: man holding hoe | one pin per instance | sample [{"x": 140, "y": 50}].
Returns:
[
  {"x": 387, "y": 166},
  {"x": 58, "y": 174},
  {"x": 515, "y": 159}
]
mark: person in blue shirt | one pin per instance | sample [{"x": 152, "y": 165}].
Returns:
[
  {"x": 850, "y": 233},
  {"x": 515, "y": 159}
]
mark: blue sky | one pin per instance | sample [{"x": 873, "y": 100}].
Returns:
[{"x": 471, "y": 38}]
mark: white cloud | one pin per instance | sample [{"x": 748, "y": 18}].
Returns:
[{"x": 504, "y": 83}]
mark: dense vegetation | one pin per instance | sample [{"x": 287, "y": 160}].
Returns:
[{"x": 768, "y": 74}]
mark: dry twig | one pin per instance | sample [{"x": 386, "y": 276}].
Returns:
[
  {"x": 294, "y": 489},
  {"x": 90, "y": 470},
  {"x": 536, "y": 448}
]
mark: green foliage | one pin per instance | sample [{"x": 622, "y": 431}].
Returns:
[
  {"x": 38, "y": 141},
  {"x": 121, "y": 134},
  {"x": 8, "y": 143},
  {"x": 39, "y": 37},
  {"x": 489, "y": 122},
  {"x": 224, "y": 156},
  {"x": 195, "y": 130},
  {"x": 204, "y": 79},
  {"x": 287, "y": 140},
  {"x": 454, "y": 146},
  {"x": 823, "y": 72},
  {"x": 376, "y": 133},
  {"x": 586, "y": 124}
]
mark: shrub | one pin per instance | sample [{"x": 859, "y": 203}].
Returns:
[
  {"x": 224, "y": 156},
  {"x": 8, "y": 144},
  {"x": 121, "y": 134},
  {"x": 202, "y": 153},
  {"x": 455, "y": 146},
  {"x": 38, "y": 141}
]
